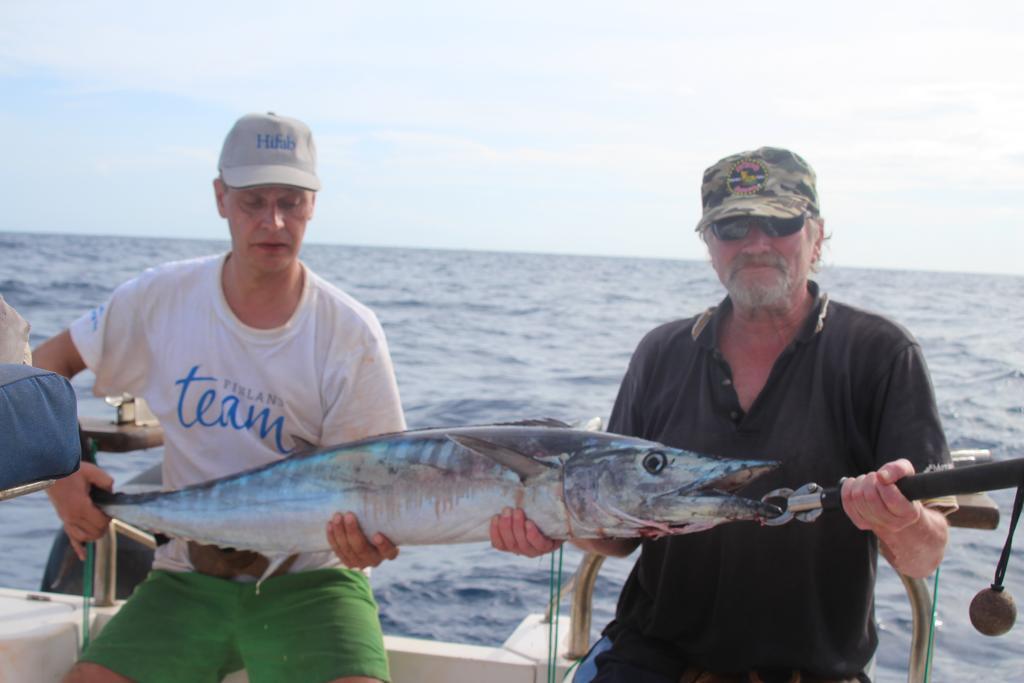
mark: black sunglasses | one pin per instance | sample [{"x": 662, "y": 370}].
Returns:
[{"x": 738, "y": 227}]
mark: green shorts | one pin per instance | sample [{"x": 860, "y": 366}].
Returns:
[{"x": 311, "y": 626}]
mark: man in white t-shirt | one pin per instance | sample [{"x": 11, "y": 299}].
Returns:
[{"x": 243, "y": 356}]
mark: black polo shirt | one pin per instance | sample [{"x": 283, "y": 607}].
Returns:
[{"x": 849, "y": 394}]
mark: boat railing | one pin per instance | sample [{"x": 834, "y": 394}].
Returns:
[
  {"x": 135, "y": 428},
  {"x": 105, "y": 577},
  {"x": 24, "y": 489},
  {"x": 581, "y": 585}
]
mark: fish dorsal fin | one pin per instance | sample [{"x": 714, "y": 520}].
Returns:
[
  {"x": 520, "y": 463},
  {"x": 536, "y": 422}
]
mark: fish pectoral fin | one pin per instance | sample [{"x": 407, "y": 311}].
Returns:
[{"x": 520, "y": 463}]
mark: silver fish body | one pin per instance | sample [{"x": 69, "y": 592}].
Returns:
[{"x": 440, "y": 486}]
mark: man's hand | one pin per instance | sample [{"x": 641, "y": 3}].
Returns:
[
  {"x": 912, "y": 537},
  {"x": 513, "y": 533},
  {"x": 352, "y": 546},
  {"x": 873, "y": 503},
  {"x": 83, "y": 521}
]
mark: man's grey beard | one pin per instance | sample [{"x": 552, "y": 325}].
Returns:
[{"x": 758, "y": 296}]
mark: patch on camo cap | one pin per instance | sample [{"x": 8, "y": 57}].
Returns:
[
  {"x": 748, "y": 177},
  {"x": 770, "y": 182}
]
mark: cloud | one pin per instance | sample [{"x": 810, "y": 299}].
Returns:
[{"x": 599, "y": 115}]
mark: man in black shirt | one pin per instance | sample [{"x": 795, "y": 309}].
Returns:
[{"x": 778, "y": 372}]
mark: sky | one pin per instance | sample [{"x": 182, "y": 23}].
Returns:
[{"x": 556, "y": 126}]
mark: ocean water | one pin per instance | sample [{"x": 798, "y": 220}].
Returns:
[{"x": 484, "y": 337}]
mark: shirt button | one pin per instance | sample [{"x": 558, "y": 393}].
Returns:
[
  {"x": 726, "y": 382},
  {"x": 734, "y": 415}
]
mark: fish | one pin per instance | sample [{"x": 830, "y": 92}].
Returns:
[{"x": 443, "y": 486}]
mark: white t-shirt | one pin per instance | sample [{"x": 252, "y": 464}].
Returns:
[{"x": 231, "y": 397}]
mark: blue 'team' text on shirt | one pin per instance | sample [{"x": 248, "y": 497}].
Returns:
[{"x": 213, "y": 410}]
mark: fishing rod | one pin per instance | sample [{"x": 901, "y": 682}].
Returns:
[
  {"x": 807, "y": 502},
  {"x": 993, "y": 611}
]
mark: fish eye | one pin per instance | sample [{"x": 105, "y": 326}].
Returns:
[{"x": 655, "y": 461}]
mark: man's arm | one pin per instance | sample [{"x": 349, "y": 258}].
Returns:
[
  {"x": 369, "y": 405},
  {"x": 351, "y": 545},
  {"x": 912, "y": 537},
  {"x": 512, "y": 532},
  {"x": 83, "y": 521},
  {"x": 612, "y": 547},
  {"x": 58, "y": 354}
]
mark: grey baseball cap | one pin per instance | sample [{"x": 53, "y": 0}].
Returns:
[{"x": 267, "y": 149}]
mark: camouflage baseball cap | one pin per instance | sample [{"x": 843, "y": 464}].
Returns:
[{"x": 769, "y": 182}]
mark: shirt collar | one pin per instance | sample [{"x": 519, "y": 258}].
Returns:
[{"x": 705, "y": 328}]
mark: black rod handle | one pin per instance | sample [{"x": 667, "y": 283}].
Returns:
[
  {"x": 992, "y": 476},
  {"x": 989, "y": 476}
]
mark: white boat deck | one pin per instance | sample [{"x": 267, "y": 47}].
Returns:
[{"x": 40, "y": 638}]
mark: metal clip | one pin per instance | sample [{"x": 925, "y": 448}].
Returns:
[{"x": 803, "y": 504}]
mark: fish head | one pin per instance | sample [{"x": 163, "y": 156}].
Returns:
[{"x": 632, "y": 487}]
